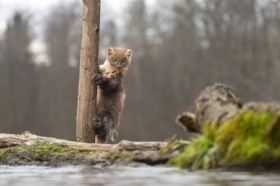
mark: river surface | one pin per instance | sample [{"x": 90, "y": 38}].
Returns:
[{"x": 130, "y": 176}]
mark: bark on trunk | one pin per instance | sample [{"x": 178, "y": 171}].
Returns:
[{"x": 88, "y": 66}]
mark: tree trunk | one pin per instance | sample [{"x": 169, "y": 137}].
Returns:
[{"x": 88, "y": 66}]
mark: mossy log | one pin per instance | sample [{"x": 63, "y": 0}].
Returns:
[
  {"x": 232, "y": 134},
  {"x": 7, "y": 140},
  {"x": 30, "y": 149},
  {"x": 216, "y": 104}
]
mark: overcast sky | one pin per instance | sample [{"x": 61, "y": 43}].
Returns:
[
  {"x": 7, "y": 7},
  {"x": 38, "y": 9}
]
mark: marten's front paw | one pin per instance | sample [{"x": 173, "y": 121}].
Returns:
[{"x": 97, "y": 79}]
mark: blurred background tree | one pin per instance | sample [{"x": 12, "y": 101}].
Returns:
[
  {"x": 179, "y": 47},
  {"x": 18, "y": 77}
]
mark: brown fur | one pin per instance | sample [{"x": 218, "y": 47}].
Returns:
[{"x": 110, "y": 92}]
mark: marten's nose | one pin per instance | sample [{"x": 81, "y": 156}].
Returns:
[{"x": 119, "y": 66}]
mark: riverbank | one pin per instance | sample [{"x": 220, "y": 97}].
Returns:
[{"x": 224, "y": 133}]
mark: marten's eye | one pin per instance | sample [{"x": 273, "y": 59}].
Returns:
[{"x": 124, "y": 60}]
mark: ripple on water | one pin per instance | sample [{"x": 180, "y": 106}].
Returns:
[{"x": 129, "y": 176}]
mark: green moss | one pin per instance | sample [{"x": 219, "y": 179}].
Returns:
[
  {"x": 45, "y": 149},
  {"x": 248, "y": 138},
  {"x": 273, "y": 130},
  {"x": 111, "y": 156},
  {"x": 202, "y": 153},
  {"x": 2, "y": 154},
  {"x": 127, "y": 154},
  {"x": 209, "y": 130},
  {"x": 44, "y": 152},
  {"x": 172, "y": 144},
  {"x": 38, "y": 153}
]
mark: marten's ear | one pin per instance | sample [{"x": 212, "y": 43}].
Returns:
[
  {"x": 128, "y": 53},
  {"x": 110, "y": 51}
]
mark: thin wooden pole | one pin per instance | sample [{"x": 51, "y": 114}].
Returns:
[{"x": 88, "y": 66}]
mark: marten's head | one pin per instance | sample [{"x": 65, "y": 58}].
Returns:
[{"x": 119, "y": 58}]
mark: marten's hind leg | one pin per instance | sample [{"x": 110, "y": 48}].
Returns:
[
  {"x": 102, "y": 128},
  {"x": 101, "y": 139}
]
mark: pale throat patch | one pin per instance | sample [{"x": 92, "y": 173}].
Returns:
[{"x": 108, "y": 70}]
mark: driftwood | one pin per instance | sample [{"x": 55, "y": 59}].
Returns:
[
  {"x": 217, "y": 103},
  {"x": 8, "y": 140},
  {"x": 30, "y": 149}
]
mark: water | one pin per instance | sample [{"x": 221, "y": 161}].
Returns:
[{"x": 129, "y": 176}]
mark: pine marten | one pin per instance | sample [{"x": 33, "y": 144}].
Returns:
[{"x": 110, "y": 92}]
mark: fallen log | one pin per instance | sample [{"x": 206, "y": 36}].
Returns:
[
  {"x": 232, "y": 134},
  {"x": 30, "y": 149},
  {"x": 7, "y": 140},
  {"x": 216, "y": 104}
]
